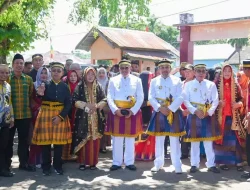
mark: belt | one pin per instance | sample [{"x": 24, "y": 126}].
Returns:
[
  {"x": 166, "y": 103},
  {"x": 124, "y": 104},
  {"x": 52, "y": 105},
  {"x": 202, "y": 107}
]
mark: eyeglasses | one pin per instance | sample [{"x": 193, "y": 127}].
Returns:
[
  {"x": 56, "y": 70},
  {"x": 200, "y": 71},
  {"x": 124, "y": 68}
]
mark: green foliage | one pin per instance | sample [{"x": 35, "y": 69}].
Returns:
[
  {"x": 207, "y": 42},
  {"x": 104, "y": 62},
  {"x": 238, "y": 43},
  {"x": 22, "y": 24},
  {"x": 111, "y": 11}
]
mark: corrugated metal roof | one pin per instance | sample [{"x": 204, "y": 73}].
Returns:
[
  {"x": 213, "y": 51},
  {"x": 147, "y": 55},
  {"x": 244, "y": 54},
  {"x": 127, "y": 39}
]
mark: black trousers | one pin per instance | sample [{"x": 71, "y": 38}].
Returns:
[
  {"x": 4, "y": 137},
  {"x": 57, "y": 159},
  {"x": 248, "y": 149},
  {"x": 185, "y": 147},
  {"x": 22, "y": 126}
]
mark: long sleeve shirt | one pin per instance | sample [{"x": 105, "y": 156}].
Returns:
[
  {"x": 58, "y": 92},
  {"x": 6, "y": 109},
  {"x": 121, "y": 87},
  {"x": 164, "y": 87},
  {"x": 21, "y": 94},
  {"x": 201, "y": 92}
]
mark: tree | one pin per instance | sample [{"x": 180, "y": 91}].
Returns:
[
  {"x": 22, "y": 24},
  {"x": 238, "y": 44},
  {"x": 208, "y": 42},
  {"x": 5, "y": 4},
  {"x": 114, "y": 11}
]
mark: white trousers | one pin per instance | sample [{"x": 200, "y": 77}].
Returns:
[
  {"x": 175, "y": 152},
  {"x": 195, "y": 154},
  {"x": 129, "y": 153}
]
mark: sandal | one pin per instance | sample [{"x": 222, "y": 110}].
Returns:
[
  {"x": 240, "y": 168},
  {"x": 224, "y": 167},
  {"x": 82, "y": 167},
  {"x": 93, "y": 167}
]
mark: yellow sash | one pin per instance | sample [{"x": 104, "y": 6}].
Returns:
[
  {"x": 167, "y": 103},
  {"x": 52, "y": 105},
  {"x": 202, "y": 107}
]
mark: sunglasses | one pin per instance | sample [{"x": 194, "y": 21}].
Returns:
[
  {"x": 200, "y": 71},
  {"x": 56, "y": 70},
  {"x": 124, "y": 68}
]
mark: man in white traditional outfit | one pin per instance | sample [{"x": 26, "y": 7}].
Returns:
[
  {"x": 165, "y": 96},
  {"x": 201, "y": 100},
  {"x": 125, "y": 97}
]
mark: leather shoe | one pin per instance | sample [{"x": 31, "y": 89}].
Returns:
[
  {"x": 46, "y": 172},
  {"x": 245, "y": 175},
  {"x": 114, "y": 167},
  {"x": 27, "y": 167},
  {"x": 6, "y": 173},
  {"x": 184, "y": 157},
  {"x": 59, "y": 171},
  {"x": 214, "y": 170},
  {"x": 193, "y": 169},
  {"x": 131, "y": 167}
]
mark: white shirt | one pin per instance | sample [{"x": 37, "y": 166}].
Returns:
[
  {"x": 120, "y": 88},
  {"x": 201, "y": 92},
  {"x": 162, "y": 88}
]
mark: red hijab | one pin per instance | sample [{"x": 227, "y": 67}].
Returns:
[{"x": 72, "y": 86}]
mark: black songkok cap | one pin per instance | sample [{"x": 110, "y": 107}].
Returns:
[
  {"x": 17, "y": 56},
  {"x": 37, "y": 55}
]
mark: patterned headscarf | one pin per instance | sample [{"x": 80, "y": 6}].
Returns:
[{"x": 38, "y": 77}]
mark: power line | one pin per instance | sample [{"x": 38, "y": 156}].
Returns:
[
  {"x": 193, "y": 9},
  {"x": 70, "y": 34}
]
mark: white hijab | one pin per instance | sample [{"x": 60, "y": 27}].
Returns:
[{"x": 103, "y": 82}]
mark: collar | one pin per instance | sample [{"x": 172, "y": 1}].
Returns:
[
  {"x": 164, "y": 78},
  {"x": 56, "y": 83},
  {"x": 14, "y": 76},
  {"x": 196, "y": 81}
]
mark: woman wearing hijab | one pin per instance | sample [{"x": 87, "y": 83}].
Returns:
[
  {"x": 228, "y": 150},
  {"x": 89, "y": 100},
  {"x": 103, "y": 80},
  {"x": 35, "y": 155},
  {"x": 73, "y": 80},
  {"x": 243, "y": 81}
]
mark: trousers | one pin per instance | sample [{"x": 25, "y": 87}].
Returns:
[
  {"x": 23, "y": 128},
  {"x": 175, "y": 152},
  {"x": 57, "y": 158},
  {"x": 129, "y": 152},
  {"x": 195, "y": 154},
  {"x": 4, "y": 137}
]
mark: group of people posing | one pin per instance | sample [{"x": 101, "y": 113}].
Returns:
[{"x": 75, "y": 112}]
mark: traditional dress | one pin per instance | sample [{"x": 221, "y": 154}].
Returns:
[
  {"x": 56, "y": 101},
  {"x": 35, "y": 155},
  {"x": 125, "y": 93},
  {"x": 89, "y": 127},
  {"x": 67, "y": 149},
  {"x": 166, "y": 92},
  {"x": 203, "y": 96},
  {"x": 145, "y": 144}
]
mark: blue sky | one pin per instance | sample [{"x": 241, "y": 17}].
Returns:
[{"x": 66, "y": 35}]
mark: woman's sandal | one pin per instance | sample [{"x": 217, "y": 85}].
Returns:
[
  {"x": 224, "y": 167},
  {"x": 82, "y": 167},
  {"x": 239, "y": 168}
]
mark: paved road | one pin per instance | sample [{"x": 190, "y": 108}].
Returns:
[{"x": 125, "y": 179}]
